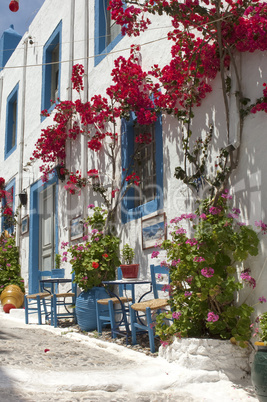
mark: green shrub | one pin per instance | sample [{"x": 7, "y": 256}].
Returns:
[
  {"x": 9, "y": 263},
  {"x": 203, "y": 272}
]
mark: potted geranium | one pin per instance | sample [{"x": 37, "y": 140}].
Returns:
[
  {"x": 129, "y": 270},
  {"x": 204, "y": 275},
  {"x": 259, "y": 365},
  {"x": 92, "y": 262}
]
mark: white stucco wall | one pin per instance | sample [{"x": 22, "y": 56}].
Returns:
[{"x": 248, "y": 181}]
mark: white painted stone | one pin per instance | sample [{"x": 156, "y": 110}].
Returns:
[{"x": 210, "y": 355}]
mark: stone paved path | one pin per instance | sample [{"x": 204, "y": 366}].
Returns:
[{"x": 41, "y": 364}]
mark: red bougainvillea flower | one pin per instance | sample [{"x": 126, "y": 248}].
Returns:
[
  {"x": 105, "y": 255},
  {"x": 2, "y": 182},
  {"x": 93, "y": 173},
  {"x": 95, "y": 264},
  {"x": 8, "y": 211}
]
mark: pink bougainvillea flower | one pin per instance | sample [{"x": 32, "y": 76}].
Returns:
[
  {"x": 261, "y": 225},
  {"x": 262, "y": 299},
  {"x": 187, "y": 294},
  {"x": 207, "y": 272},
  {"x": 212, "y": 317},
  {"x": 154, "y": 254},
  {"x": 199, "y": 259},
  {"x": 176, "y": 315}
]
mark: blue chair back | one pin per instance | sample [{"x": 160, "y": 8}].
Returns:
[
  {"x": 41, "y": 275},
  {"x": 155, "y": 270},
  {"x": 73, "y": 285},
  {"x": 123, "y": 287}
]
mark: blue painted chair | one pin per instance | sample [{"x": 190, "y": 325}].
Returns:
[
  {"x": 38, "y": 303},
  {"x": 63, "y": 305},
  {"x": 106, "y": 314},
  {"x": 142, "y": 313}
]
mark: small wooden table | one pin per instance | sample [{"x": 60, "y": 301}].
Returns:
[{"x": 54, "y": 282}]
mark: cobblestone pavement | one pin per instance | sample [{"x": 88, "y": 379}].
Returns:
[{"x": 41, "y": 364}]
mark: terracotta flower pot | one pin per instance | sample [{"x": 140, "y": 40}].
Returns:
[
  {"x": 130, "y": 271},
  {"x": 11, "y": 297}
]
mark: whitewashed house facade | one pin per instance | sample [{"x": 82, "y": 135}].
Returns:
[{"x": 80, "y": 32}]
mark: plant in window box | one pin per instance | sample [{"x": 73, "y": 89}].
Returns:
[
  {"x": 58, "y": 272},
  {"x": 129, "y": 270},
  {"x": 259, "y": 365}
]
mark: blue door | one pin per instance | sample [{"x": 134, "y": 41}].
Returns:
[{"x": 43, "y": 230}]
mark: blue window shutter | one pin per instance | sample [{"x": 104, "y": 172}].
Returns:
[
  {"x": 11, "y": 122},
  {"x": 128, "y": 211},
  {"x": 100, "y": 32},
  {"x": 54, "y": 41}
]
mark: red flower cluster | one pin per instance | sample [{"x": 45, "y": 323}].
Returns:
[
  {"x": 145, "y": 138},
  {"x": 75, "y": 182},
  {"x": 133, "y": 178},
  {"x": 95, "y": 264},
  {"x": 77, "y": 77},
  {"x": 93, "y": 173},
  {"x": 2, "y": 182},
  {"x": 94, "y": 144}
]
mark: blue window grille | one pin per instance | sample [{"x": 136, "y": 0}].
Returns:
[
  {"x": 11, "y": 122},
  {"x": 51, "y": 70},
  {"x": 131, "y": 206},
  {"x": 107, "y": 32},
  {"x": 9, "y": 199}
]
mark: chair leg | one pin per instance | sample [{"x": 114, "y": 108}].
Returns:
[
  {"x": 98, "y": 320},
  {"x": 74, "y": 311},
  {"x": 45, "y": 309},
  {"x": 150, "y": 330},
  {"x": 133, "y": 328},
  {"x": 112, "y": 318},
  {"x": 26, "y": 310},
  {"x": 54, "y": 310},
  {"x": 38, "y": 300}
]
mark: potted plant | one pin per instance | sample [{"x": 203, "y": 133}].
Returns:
[
  {"x": 129, "y": 270},
  {"x": 58, "y": 272},
  {"x": 92, "y": 262},
  {"x": 203, "y": 268},
  {"x": 259, "y": 365}
]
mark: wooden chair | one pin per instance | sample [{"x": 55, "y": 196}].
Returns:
[
  {"x": 62, "y": 308},
  {"x": 141, "y": 313},
  {"x": 38, "y": 302},
  {"x": 106, "y": 313}
]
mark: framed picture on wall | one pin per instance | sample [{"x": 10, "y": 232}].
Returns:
[
  {"x": 24, "y": 224},
  {"x": 76, "y": 228},
  {"x": 153, "y": 231}
]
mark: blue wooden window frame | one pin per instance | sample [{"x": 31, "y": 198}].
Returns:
[
  {"x": 11, "y": 100},
  {"x": 35, "y": 190},
  {"x": 101, "y": 50},
  {"x": 11, "y": 186},
  {"x": 128, "y": 211},
  {"x": 54, "y": 40}
]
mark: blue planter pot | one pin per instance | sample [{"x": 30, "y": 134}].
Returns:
[
  {"x": 85, "y": 308},
  {"x": 259, "y": 373}
]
